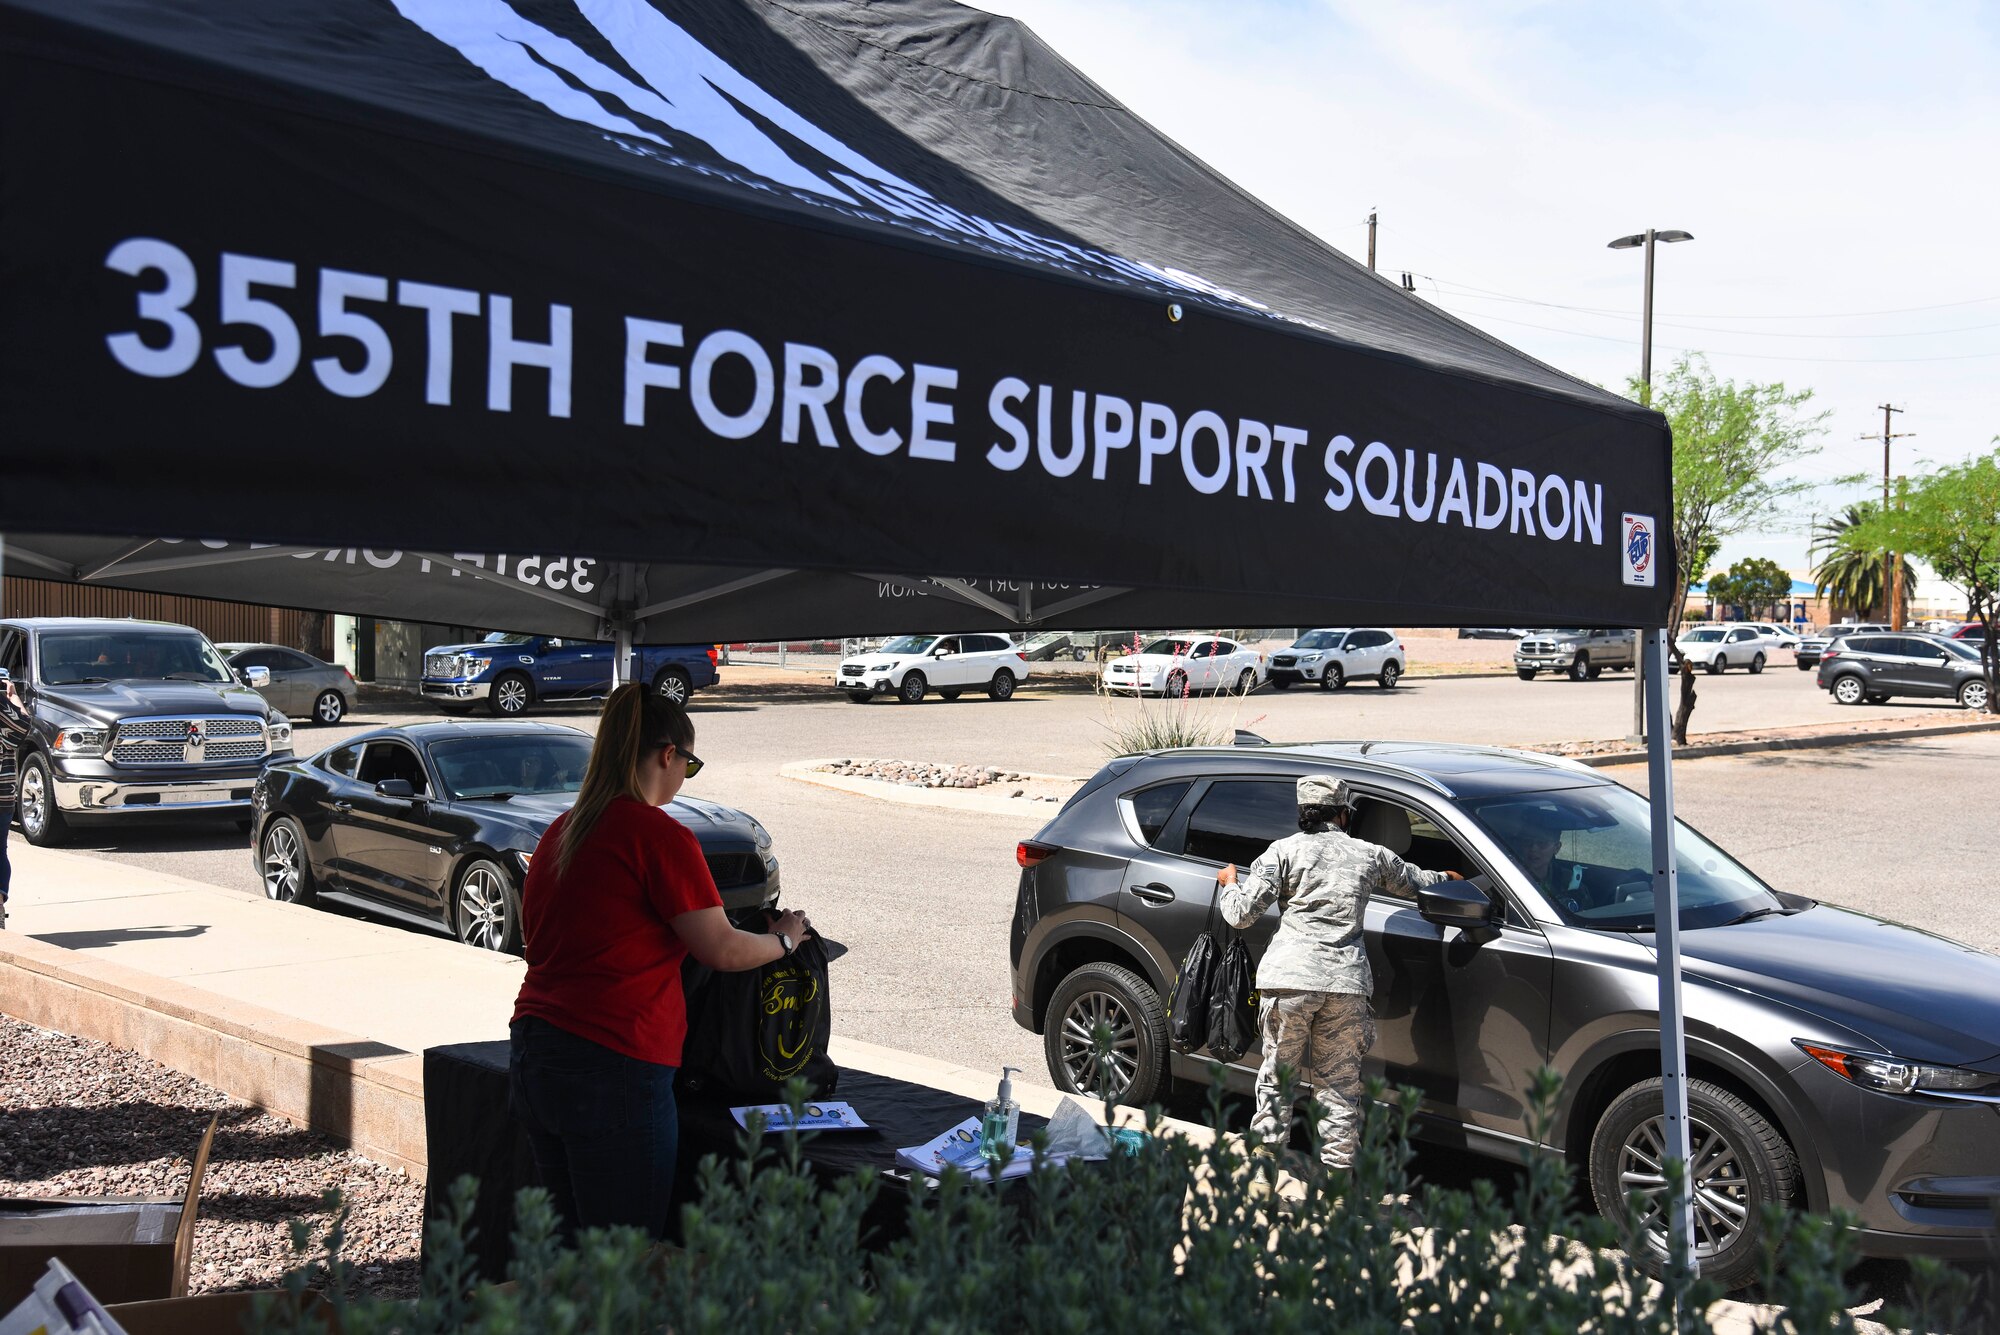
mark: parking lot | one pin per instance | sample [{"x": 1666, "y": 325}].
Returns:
[{"x": 923, "y": 896}]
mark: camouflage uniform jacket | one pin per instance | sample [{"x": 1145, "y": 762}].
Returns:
[{"x": 1321, "y": 883}]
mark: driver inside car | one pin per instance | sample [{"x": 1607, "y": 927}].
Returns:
[{"x": 1537, "y": 835}]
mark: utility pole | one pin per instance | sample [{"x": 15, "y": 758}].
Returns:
[
  {"x": 1371, "y": 241},
  {"x": 1892, "y": 566}
]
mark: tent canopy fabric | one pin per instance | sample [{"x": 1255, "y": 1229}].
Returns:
[{"x": 782, "y": 313}]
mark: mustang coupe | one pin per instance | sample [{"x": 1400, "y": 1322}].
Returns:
[{"x": 435, "y": 824}]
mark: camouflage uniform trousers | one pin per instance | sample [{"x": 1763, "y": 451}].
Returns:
[{"x": 1320, "y": 1037}]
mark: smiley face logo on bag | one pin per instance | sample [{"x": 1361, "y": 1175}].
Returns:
[{"x": 791, "y": 1002}]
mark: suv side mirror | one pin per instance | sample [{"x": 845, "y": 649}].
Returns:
[
  {"x": 402, "y": 788},
  {"x": 256, "y": 678},
  {"x": 1456, "y": 904}
]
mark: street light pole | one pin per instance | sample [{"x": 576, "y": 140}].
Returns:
[{"x": 1647, "y": 239}]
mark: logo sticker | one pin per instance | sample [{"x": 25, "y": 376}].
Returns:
[{"x": 1640, "y": 550}]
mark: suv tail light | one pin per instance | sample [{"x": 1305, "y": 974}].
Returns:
[
  {"x": 1828, "y": 655},
  {"x": 1028, "y": 853}
]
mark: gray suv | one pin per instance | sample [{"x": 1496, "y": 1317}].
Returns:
[
  {"x": 1869, "y": 669},
  {"x": 1836, "y": 1060}
]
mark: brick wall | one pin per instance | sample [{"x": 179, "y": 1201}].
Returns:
[{"x": 220, "y": 621}]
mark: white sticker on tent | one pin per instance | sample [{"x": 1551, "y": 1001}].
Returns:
[{"x": 1640, "y": 550}]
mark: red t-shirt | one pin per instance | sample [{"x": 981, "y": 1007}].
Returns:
[{"x": 604, "y": 961}]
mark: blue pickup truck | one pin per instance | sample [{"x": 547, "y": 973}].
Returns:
[{"x": 511, "y": 672}]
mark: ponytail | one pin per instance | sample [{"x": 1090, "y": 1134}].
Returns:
[{"x": 636, "y": 722}]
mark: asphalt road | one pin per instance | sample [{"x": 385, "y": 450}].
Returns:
[{"x": 922, "y": 897}]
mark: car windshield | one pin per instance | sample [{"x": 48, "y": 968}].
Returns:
[
  {"x": 507, "y": 637},
  {"x": 129, "y": 655},
  {"x": 1169, "y": 648},
  {"x": 909, "y": 644},
  {"x": 1590, "y": 852},
  {"x": 1702, "y": 636},
  {"x": 1318, "y": 639},
  {"x": 516, "y": 764}
]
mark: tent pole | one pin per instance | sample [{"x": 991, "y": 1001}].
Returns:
[
  {"x": 1667, "y": 946},
  {"x": 621, "y": 654}
]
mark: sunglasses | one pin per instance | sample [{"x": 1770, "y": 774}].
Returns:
[{"x": 693, "y": 763}]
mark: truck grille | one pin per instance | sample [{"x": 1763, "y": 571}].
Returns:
[
  {"x": 189, "y": 741},
  {"x": 1538, "y": 646},
  {"x": 444, "y": 665}
]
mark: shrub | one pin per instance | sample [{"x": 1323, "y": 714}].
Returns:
[{"x": 1183, "y": 1235}]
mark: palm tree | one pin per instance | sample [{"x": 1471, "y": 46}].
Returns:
[{"x": 1850, "y": 576}]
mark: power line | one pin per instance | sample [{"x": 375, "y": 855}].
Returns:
[
  {"x": 1723, "y": 352},
  {"x": 1489, "y": 293},
  {"x": 1445, "y": 289}
]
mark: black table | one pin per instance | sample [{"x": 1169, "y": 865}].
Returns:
[{"x": 468, "y": 1129}]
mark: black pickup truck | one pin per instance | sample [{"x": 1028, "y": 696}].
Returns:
[{"x": 133, "y": 718}]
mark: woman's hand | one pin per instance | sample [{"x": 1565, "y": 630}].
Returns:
[
  {"x": 794, "y": 925},
  {"x": 1227, "y": 876}
]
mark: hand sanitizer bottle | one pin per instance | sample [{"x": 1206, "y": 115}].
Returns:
[{"x": 1001, "y": 1124}]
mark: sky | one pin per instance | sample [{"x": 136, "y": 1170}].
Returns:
[{"x": 1838, "y": 164}]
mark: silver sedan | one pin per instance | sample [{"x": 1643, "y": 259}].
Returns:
[{"x": 301, "y": 686}]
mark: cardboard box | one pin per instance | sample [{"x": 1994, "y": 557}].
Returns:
[
  {"x": 208, "y": 1313},
  {"x": 122, "y": 1248}
]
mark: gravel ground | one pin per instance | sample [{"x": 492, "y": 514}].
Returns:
[{"x": 82, "y": 1118}]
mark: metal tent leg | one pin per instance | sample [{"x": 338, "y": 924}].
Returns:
[
  {"x": 1667, "y": 942},
  {"x": 621, "y": 655}
]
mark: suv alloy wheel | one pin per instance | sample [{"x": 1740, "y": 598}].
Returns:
[
  {"x": 1739, "y": 1163},
  {"x": 1333, "y": 678},
  {"x": 1850, "y": 690},
  {"x": 1392, "y": 671},
  {"x": 1757, "y": 663},
  {"x": 1974, "y": 695},
  {"x": 1123, "y": 1003},
  {"x": 911, "y": 692},
  {"x": 1002, "y": 686}
]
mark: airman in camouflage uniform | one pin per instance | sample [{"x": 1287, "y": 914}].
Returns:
[{"x": 1314, "y": 979}]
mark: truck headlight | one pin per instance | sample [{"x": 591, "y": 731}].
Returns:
[
  {"x": 1566, "y": 645},
  {"x": 475, "y": 666},
  {"x": 1893, "y": 1075},
  {"x": 280, "y": 730},
  {"x": 82, "y": 741}
]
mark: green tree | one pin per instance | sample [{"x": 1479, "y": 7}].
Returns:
[
  {"x": 1849, "y": 575},
  {"x": 1950, "y": 520},
  {"x": 1731, "y": 444},
  {"x": 1755, "y": 584}
]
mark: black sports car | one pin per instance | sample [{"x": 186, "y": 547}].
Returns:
[{"x": 435, "y": 823}]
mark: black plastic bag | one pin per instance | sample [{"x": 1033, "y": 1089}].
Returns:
[
  {"x": 1232, "y": 1022},
  {"x": 1187, "y": 1004},
  {"x": 751, "y": 1033}
]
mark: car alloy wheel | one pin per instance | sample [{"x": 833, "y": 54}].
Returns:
[
  {"x": 488, "y": 914},
  {"x": 512, "y": 694},
  {"x": 1738, "y": 1163},
  {"x": 1246, "y": 682},
  {"x": 1849, "y": 690},
  {"x": 1391, "y": 674},
  {"x": 41, "y": 820},
  {"x": 674, "y": 685},
  {"x": 287, "y": 876},
  {"x": 1974, "y": 695},
  {"x": 1333, "y": 678},
  {"x": 1756, "y": 665},
  {"x": 912, "y": 690},
  {"x": 1134, "y": 1059},
  {"x": 1177, "y": 683},
  {"x": 1718, "y": 665},
  {"x": 330, "y": 708},
  {"x": 1002, "y": 685}
]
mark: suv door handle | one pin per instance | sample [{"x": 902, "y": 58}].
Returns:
[
  {"x": 343, "y": 806},
  {"x": 1155, "y": 893}
]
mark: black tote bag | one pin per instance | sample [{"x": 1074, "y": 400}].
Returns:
[
  {"x": 1232, "y": 1020},
  {"x": 751, "y": 1033},
  {"x": 1188, "y": 1002}
]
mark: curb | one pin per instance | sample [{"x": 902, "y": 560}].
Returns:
[{"x": 1811, "y": 743}]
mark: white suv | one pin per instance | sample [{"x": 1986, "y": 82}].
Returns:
[
  {"x": 910, "y": 666},
  {"x": 1335, "y": 657}
]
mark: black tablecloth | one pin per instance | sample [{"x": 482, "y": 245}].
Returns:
[{"x": 468, "y": 1129}]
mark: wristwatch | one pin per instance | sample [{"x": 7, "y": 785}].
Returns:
[{"x": 786, "y": 942}]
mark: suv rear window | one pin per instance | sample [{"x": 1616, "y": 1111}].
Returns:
[
  {"x": 1237, "y": 819},
  {"x": 1153, "y": 807}
]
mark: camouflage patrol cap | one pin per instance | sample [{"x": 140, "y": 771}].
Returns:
[{"x": 1322, "y": 790}]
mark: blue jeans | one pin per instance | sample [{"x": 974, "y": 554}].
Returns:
[
  {"x": 602, "y": 1126},
  {"x": 6, "y": 872}
]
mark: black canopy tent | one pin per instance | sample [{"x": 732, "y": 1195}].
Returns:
[{"x": 733, "y": 300}]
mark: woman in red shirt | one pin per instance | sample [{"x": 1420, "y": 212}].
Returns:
[{"x": 617, "y": 895}]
